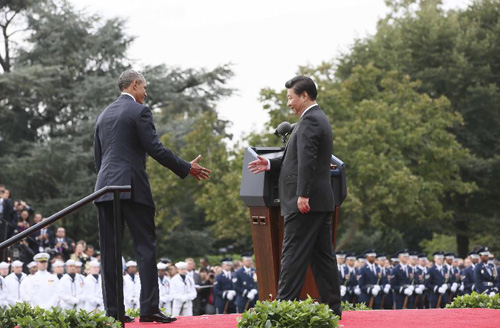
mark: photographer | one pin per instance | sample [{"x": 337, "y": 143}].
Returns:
[{"x": 207, "y": 291}]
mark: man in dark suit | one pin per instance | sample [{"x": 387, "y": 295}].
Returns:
[
  {"x": 63, "y": 244},
  {"x": 41, "y": 239},
  {"x": 124, "y": 135},
  {"x": 306, "y": 198}
]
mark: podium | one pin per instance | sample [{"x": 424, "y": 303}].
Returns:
[{"x": 260, "y": 193}]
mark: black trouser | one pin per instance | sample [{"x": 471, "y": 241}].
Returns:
[
  {"x": 140, "y": 221},
  {"x": 308, "y": 240}
]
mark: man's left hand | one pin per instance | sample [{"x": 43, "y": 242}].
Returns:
[
  {"x": 303, "y": 205},
  {"x": 198, "y": 171}
]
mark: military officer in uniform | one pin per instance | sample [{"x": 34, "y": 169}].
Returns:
[
  {"x": 224, "y": 290},
  {"x": 183, "y": 291},
  {"x": 385, "y": 282},
  {"x": 92, "y": 289},
  {"x": 454, "y": 274},
  {"x": 485, "y": 274},
  {"x": 402, "y": 282},
  {"x": 42, "y": 287},
  {"x": 164, "y": 287},
  {"x": 131, "y": 286},
  {"x": 245, "y": 285},
  {"x": 13, "y": 282},
  {"x": 71, "y": 288},
  {"x": 353, "y": 290},
  {"x": 468, "y": 273},
  {"x": 370, "y": 277},
  {"x": 438, "y": 282},
  {"x": 421, "y": 300},
  {"x": 343, "y": 275}
]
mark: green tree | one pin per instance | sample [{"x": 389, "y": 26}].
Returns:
[{"x": 454, "y": 54}]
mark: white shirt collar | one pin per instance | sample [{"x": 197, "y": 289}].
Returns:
[
  {"x": 128, "y": 94},
  {"x": 315, "y": 104}
]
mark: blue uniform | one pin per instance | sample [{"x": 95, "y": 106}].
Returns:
[
  {"x": 437, "y": 278},
  {"x": 243, "y": 284},
  {"x": 221, "y": 285},
  {"x": 402, "y": 278},
  {"x": 419, "y": 274},
  {"x": 352, "y": 283},
  {"x": 387, "y": 299},
  {"x": 485, "y": 278},
  {"x": 468, "y": 279},
  {"x": 368, "y": 279},
  {"x": 344, "y": 281}
]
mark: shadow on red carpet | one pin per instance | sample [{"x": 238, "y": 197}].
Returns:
[{"x": 444, "y": 318}]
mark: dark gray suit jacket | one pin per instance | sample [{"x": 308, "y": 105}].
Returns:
[
  {"x": 305, "y": 165},
  {"x": 124, "y": 135}
]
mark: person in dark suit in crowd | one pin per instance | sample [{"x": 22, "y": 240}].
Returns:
[
  {"x": 43, "y": 238},
  {"x": 245, "y": 285},
  {"x": 63, "y": 244},
  {"x": 306, "y": 198},
  {"x": 438, "y": 282},
  {"x": 124, "y": 135},
  {"x": 370, "y": 281}
]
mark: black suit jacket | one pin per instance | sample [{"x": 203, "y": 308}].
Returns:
[
  {"x": 305, "y": 165},
  {"x": 124, "y": 134}
]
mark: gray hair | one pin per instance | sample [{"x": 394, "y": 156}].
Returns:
[{"x": 127, "y": 77}]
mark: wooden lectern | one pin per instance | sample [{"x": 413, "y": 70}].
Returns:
[{"x": 260, "y": 194}]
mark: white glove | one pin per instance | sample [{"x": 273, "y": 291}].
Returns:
[
  {"x": 442, "y": 289},
  {"x": 454, "y": 287},
  {"x": 231, "y": 294},
  {"x": 387, "y": 289},
  {"x": 408, "y": 291},
  {"x": 343, "y": 290},
  {"x": 412, "y": 288},
  {"x": 375, "y": 290},
  {"x": 492, "y": 294},
  {"x": 418, "y": 290},
  {"x": 462, "y": 287},
  {"x": 445, "y": 287},
  {"x": 251, "y": 294},
  {"x": 357, "y": 290},
  {"x": 422, "y": 287}
]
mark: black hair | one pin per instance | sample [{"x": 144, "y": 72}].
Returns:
[{"x": 302, "y": 83}]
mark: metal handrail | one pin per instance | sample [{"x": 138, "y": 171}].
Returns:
[{"x": 116, "y": 190}]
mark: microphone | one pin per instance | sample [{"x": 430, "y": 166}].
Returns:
[{"x": 283, "y": 129}]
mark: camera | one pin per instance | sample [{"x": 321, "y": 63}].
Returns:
[{"x": 211, "y": 276}]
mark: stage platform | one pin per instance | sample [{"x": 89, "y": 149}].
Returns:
[{"x": 443, "y": 318}]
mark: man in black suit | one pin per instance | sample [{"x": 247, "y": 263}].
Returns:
[
  {"x": 306, "y": 198},
  {"x": 41, "y": 239},
  {"x": 124, "y": 135}
]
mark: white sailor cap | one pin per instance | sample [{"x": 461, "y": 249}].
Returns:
[
  {"x": 40, "y": 257},
  {"x": 4, "y": 265},
  {"x": 78, "y": 263},
  {"x": 181, "y": 265},
  {"x": 131, "y": 263},
  {"x": 161, "y": 266},
  {"x": 58, "y": 264},
  {"x": 94, "y": 264},
  {"x": 31, "y": 264},
  {"x": 70, "y": 262},
  {"x": 17, "y": 263}
]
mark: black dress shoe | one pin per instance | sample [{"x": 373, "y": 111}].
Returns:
[
  {"x": 158, "y": 317},
  {"x": 128, "y": 319}
]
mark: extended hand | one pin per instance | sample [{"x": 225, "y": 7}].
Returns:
[
  {"x": 198, "y": 171},
  {"x": 258, "y": 166},
  {"x": 303, "y": 205}
]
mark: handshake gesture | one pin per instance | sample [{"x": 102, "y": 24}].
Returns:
[{"x": 198, "y": 171}]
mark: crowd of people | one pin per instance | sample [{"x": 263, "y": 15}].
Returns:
[
  {"x": 408, "y": 280},
  {"x": 50, "y": 269}
]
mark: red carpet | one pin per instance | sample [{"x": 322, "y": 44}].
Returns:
[{"x": 446, "y": 318}]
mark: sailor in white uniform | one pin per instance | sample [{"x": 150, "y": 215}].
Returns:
[
  {"x": 4, "y": 269},
  {"x": 164, "y": 287},
  {"x": 42, "y": 287},
  {"x": 131, "y": 286},
  {"x": 183, "y": 291},
  {"x": 13, "y": 282},
  {"x": 92, "y": 289},
  {"x": 71, "y": 288},
  {"x": 23, "y": 288}
]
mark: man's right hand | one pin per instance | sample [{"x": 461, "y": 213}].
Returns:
[
  {"x": 259, "y": 165},
  {"x": 198, "y": 171}
]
